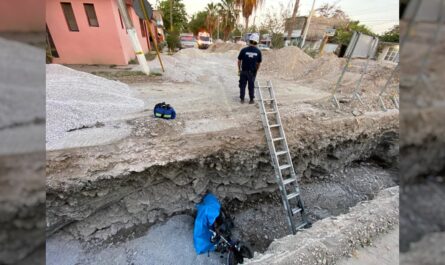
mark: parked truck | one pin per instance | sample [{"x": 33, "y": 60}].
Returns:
[{"x": 204, "y": 40}]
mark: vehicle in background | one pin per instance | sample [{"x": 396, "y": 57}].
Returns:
[
  {"x": 204, "y": 40},
  {"x": 247, "y": 36},
  {"x": 187, "y": 40},
  {"x": 263, "y": 47}
]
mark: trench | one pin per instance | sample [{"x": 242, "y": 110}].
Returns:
[
  {"x": 261, "y": 218},
  {"x": 334, "y": 178}
]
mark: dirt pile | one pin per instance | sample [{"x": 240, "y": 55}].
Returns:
[
  {"x": 328, "y": 66},
  {"x": 224, "y": 47},
  {"x": 286, "y": 63}
]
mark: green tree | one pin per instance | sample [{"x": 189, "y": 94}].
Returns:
[
  {"x": 293, "y": 19},
  {"x": 198, "y": 22},
  {"x": 343, "y": 35},
  {"x": 229, "y": 16},
  {"x": 179, "y": 14},
  {"x": 173, "y": 40},
  {"x": 391, "y": 35},
  {"x": 212, "y": 17},
  {"x": 274, "y": 24}
]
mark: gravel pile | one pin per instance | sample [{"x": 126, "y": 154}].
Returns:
[
  {"x": 194, "y": 65},
  {"x": 22, "y": 100},
  {"x": 328, "y": 66},
  {"x": 77, "y": 100}
]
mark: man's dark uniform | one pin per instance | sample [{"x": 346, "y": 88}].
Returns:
[{"x": 250, "y": 57}]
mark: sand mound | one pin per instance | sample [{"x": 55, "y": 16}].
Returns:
[
  {"x": 224, "y": 47},
  {"x": 286, "y": 63},
  {"x": 328, "y": 66}
]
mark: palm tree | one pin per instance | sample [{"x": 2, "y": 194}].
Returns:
[
  {"x": 248, "y": 6},
  {"x": 212, "y": 17},
  {"x": 229, "y": 16}
]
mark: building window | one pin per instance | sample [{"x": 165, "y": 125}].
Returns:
[
  {"x": 69, "y": 16},
  {"x": 91, "y": 15},
  {"x": 392, "y": 55},
  {"x": 143, "y": 29}
]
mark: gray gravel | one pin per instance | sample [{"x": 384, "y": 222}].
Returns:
[
  {"x": 164, "y": 244},
  {"x": 78, "y": 100}
]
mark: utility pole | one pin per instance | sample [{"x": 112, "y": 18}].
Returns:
[
  {"x": 306, "y": 29},
  {"x": 171, "y": 16},
  {"x": 218, "y": 30},
  {"x": 133, "y": 37},
  {"x": 292, "y": 21}
]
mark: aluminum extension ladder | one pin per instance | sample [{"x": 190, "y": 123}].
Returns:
[{"x": 285, "y": 175}]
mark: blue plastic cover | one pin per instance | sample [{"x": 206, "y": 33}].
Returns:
[{"x": 208, "y": 211}]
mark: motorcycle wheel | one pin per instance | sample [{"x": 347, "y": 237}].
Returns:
[{"x": 231, "y": 260}]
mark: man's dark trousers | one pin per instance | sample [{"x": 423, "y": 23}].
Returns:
[{"x": 247, "y": 78}]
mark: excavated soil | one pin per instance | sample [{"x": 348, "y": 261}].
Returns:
[
  {"x": 422, "y": 144},
  {"x": 99, "y": 194},
  {"x": 333, "y": 238}
]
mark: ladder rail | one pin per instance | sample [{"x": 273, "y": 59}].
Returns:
[
  {"x": 294, "y": 184},
  {"x": 282, "y": 133},
  {"x": 278, "y": 176},
  {"x": 291, "y": 180}
]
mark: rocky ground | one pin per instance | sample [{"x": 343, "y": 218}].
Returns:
[
  {"x": 422, "y": 141},
  {"x": 331, "y": 239},
  {"x": 22, "y": 155}
]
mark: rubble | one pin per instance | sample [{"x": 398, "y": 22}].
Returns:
[{"x": 333, "y": 238}]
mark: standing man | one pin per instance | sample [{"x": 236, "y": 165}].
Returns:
[{"x": 249, "y": 60}]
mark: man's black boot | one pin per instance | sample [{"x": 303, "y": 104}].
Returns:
[
  {"x": 242, "y": 101},
  {"x": 251, "y": 101}
]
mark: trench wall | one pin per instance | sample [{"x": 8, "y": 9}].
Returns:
[{"x": 108, "y": 206}]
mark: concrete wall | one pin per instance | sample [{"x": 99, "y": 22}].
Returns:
[
  {"x": 22, "y": 16},
  {"x": 106, "y": 44}
]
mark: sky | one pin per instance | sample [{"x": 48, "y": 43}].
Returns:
[{"x": 379, "y": 15}]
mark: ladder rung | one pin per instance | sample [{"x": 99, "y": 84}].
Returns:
[
  {"x": 292, "y": 195},
  {"x": 285, "y": 167},
  {"x": 272, "y": 112},
  {"x": 289, "y": 180},
  {"x": 301, "y": 226},
  {"x": 268, "y": 99},
  {"x": 296, "y": 210},
  {"x": 274, "y": 126},
  {"x": 281, "y": 153},
  {"x": 278, "y": 139}
]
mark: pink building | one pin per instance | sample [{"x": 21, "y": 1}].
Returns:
[
  {"x": 92, "y": 32},
  {"x": 22, "y": 16}
]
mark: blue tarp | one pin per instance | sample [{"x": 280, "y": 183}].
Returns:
[{"x": 208, "y": 211}]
